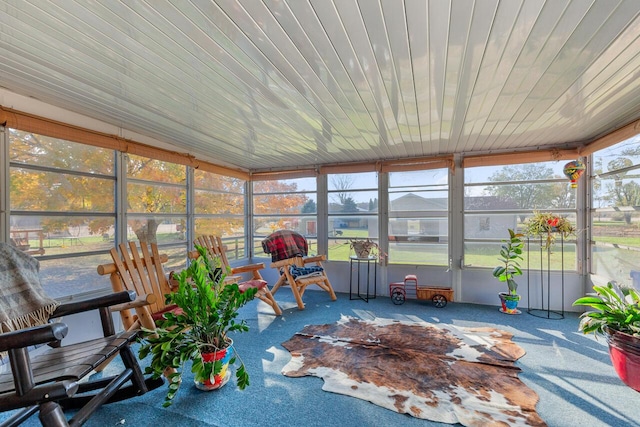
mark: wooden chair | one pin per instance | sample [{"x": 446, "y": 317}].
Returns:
[
  {"x": 46, "y": 380},
  {"x": 215, "y": 248},
  {"x": 142, "y": 272},
  {"x": 294, "y": 246}
]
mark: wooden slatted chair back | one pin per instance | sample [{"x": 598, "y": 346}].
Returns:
[
  {"x": 140, "y": 271},
  {"x": 216, "y": 249}
]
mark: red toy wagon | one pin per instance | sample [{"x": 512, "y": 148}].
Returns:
[{"x": 398, "y": 292}]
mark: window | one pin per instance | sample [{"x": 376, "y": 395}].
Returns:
[
  {"x": 419, "y": 217},
  {"x": 219, "y": 210},
  {"x": 615, "y": 217},
  {"x": 353, "y": 211},
  {"x": 62, "y": 209},
  {"x": 156, "y": 201},
  {"x": 497, "y": 198},
  {"x": 285, "y": 204}
]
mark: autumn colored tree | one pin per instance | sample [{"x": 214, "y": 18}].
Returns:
[
  {"x": 276, "y": 197},
  {"x": 222, "y": 196},
  {"x": 153, "y": 187},
  {"x": 81, "y": 185}
]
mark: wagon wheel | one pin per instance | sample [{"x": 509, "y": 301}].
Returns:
[
  {"x": 439, "y": 300},
  {"x": 397, "y": 296}
]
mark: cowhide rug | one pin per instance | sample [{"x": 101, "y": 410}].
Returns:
[{"x": 437, "y": 372}]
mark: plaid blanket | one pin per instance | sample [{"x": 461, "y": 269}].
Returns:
[
  {"x": 23, "y": 302},
  {"x": 285, "y": 244}
]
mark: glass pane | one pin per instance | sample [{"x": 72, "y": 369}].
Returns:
[
  {"x": 415, "y": 180},
  {"x": 285, "y": 186},
  {"x": 263, "y": 226},
  {"x": 345, "y": 183},
  {"x": 419, "y": 201},
  {"x": 419, "y": 230},
  {"x": 353, "y": 202},
  {"x": 616, "y": 227},
  {"x": 298, "y": 203},
  {"x": 72, "y": 276},
  {"x": 616, "y": 249},
  {"x": 220, "y": 226},
  {"x": 34, "y": 149},
  {"x": 484, "y": 254},
  {"x": 616, "y": 198},
  {"x": 418, "y": 253},
  {"x": 207, "y": 202},
  {"x": 523, "y": 195},
  {"x": 156, "y": 198},
  {"x": 618, "y": 193},
  {"x": 211, "y": 181},
  {"x": 617, "y": 263},
  {"x": 618, "y": 157},
  {"x": 354, "y": 226},
  {"x": 47, "y": 191},
  {"x": 525, "y": 172},
  {"x": 155, "y": 170},
  {"x": 56, "y": 235},
  {"x": 490, "y": 226},
  {"x": 161, "y": 230}
]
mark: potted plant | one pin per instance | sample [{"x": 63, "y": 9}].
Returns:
[
  {"x": 510, "y": 257},
  {"x": 547, "y": 225},
  {"x": 617, "y": 317},
  {"x": 363, "y": 248},
  {"x": 198, "y": 331}
]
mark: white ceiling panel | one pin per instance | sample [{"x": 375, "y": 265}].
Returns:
[{"x": 274, "y": 84}]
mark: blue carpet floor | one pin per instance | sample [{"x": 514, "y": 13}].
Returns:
[{"x": 571, "y": 373}]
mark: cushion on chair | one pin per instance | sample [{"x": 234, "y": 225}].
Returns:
[
  {"x": 170, "y": 308},
  {"x": 259, "y": 284},
  {"x": 302, "y": 272}
]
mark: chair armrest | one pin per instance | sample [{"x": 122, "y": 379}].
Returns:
[
  {"x": 42, "y": 334},
  {"x": 247, "y": 268},
  {"x": 316, "y": 258},
  {"x": 140, "y": 301},
  {"x": 283, "y": 263},
  {"x": 94, "y": 303}
]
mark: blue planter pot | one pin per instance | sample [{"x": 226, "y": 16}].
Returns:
[{"x": 509, "y": 303}]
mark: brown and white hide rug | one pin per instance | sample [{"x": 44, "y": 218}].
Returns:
[{"x": 441, "y": 373}]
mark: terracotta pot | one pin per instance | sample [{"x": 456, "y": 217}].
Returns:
[
  {"x": 624, "y": 350},
  {"x": 223, "y": 376}
]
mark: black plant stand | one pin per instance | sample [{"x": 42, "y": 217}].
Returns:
[
  {"x": 368, "y": 263},
  {"x": 545, "y": 311}
]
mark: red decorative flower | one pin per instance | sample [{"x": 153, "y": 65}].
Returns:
[{"x": 553, "y": 222}]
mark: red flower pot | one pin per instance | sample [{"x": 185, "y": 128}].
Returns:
[{"x": 624, "y": 350}]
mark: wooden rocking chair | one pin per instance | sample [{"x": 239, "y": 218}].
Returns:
[
  {"x": 288, "y": 251},
  {"x": 46, "y": 380},
  {"x": 215, "y": 248}
]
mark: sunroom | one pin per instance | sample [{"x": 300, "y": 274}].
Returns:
[{"x": 428, "y": 127}]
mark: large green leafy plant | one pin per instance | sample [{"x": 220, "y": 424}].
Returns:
[
  {"x": 208, "y": 310},
  {"x": 617, "y": 307},
  {"x": 510, "y": 257}
]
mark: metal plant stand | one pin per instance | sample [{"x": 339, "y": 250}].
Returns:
[
  {"x": 368, "y": 263},
  {"x": 545, "y": 310}
]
